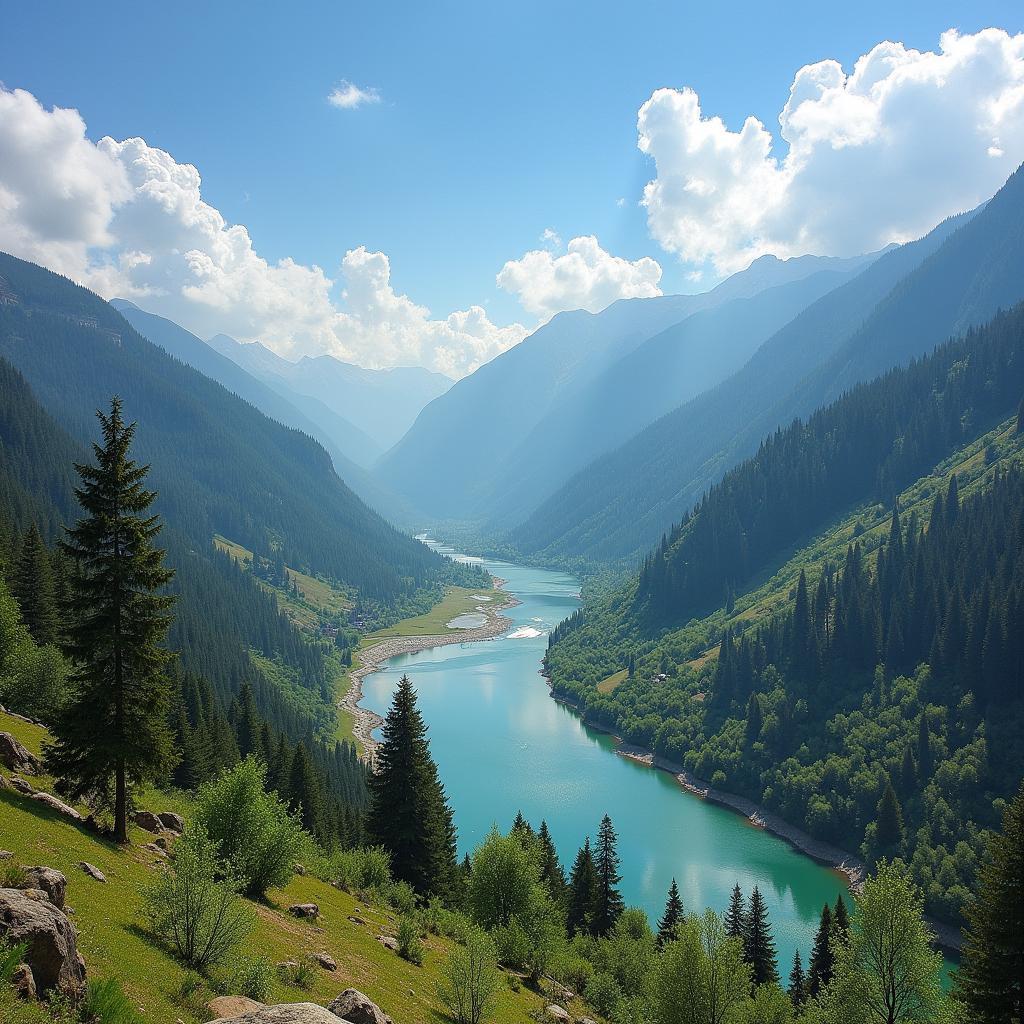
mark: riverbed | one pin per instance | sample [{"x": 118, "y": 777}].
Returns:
[{"x": 503, "y": 745}]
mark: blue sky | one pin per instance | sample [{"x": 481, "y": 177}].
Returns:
[{"x": 493, "y": 122}]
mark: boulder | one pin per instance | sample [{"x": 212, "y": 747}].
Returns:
[
  {"x": 52, "y": 947},
  {"x": 326, "y": 961},
  {"x": 24, "y": 982},
  {"x": 148, "y": 820},
  {"x": 6, "y": 855},
  {"x": 308, "y": 910},
  {"x": 283, "y": 1013},
  {"x": 172, "y": 822},
  {"x": 18, "y": 783},
  {"x": 51, "y": 881},
  {"x": 232, "y": 1006},
  {"x": 92, "y": 871},
  {"x": 388, "y": 942},
  {"x": 153, "y": 848},
  {"x": 16, "y": 757},
  {"x": 357, "y": 1008},
  {"x": 49, "y": 800},
  {"x": 355, "y": 919},
  {"x": 557, "y": 1013}
]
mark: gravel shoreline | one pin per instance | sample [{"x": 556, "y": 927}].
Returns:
[{"x": 372, "y": 658}]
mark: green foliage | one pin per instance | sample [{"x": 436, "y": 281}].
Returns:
[
  {"x": 503, "y": 884},
  {"x": 604, "y": 995},
  {"x": 668, "y": 926},
  {"x": 410, "y": 945},
  {"x": 32, "y": 586},
  {"x": 608, "y": 904},
  {"x": 253, "y": 977},
  {"x": 253, "y": 832},
  {"x": 105, "y": 1003},
  {"x": 11, "y": 955},
  {"x": 758, "y": 942},
  {"x": 12, "y": 876},
  {"x": 469, "y": 980},
  {"x": 195, "y": 910},
  {"x": 362, "y": 869}
]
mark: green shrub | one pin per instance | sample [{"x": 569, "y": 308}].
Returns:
[
  {"x": 12, "y": 876},
  {"x": 468, "y": 982},
  {"x": 364, "y": 868},
  {"x": 304, "y": 973},
  {"x": 10, "y": 957},
  {"x": 410, "y": 947},
  {"x": 513, "y": 945},
  {"x": 439, "y": 920},
  {"x": 199, "y": 915},
  {"x": 106, "y": 1003},
  {"x": 402, "y": 897},
  {"x": 252, "y": 830},
  {"x": 572, "y": 970},
  {"x": 604, "y": 995},
  {"x": 254, "y": 978}
]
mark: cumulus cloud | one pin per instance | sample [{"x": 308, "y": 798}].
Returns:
[
  {"x": 347, "y": 95},
  {"x": 125, "y": 218},
  {"x": 584, "y": 277},
  {"x": 877, "y": 155}
]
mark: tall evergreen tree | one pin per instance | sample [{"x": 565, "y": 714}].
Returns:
[
  {"x": 736, "y": 914},
  {"x": 114, "y": 732},
  {"x": 840, "y": 920},
  {"x": 582, "y": 891},
  {"x": 606, "y": 862},
  {"x": 33, "y": 588},
  {"x": 991, "y": 977},
  {"x": 551, "y": 873},
  {"x": 823, "y": 957},
  {"x": 409, "y": 813},
  {"x": 668, "y": 926},
  {"x": 889, "y": 824},
  {"x": 797, "y": 982},
  {"x": 304, "y": 792},
  {"x": 758, "y": 942}
]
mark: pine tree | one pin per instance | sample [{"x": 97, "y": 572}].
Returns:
[
  {"x": 304, "y": 792},
  {"x": 409, "y": 813},
  {"x": 889, "y": 824},
  {"x": 32, "y": 587},
  {"x": 758, "y": 942},
  {"x": 991, "y": 977},
  {"x": 736, "y": 914},
  {"x": 551, "y": 873},
  {"x": 114, "y": 733},
  {"x": 797, "y": 982},
  {"x": 823, "y": 957},
  {"x": 582, "y": 892},
  {"x": 668, "y": 926},
  {"x": 755, "y": 719},
  {"x": 840, "y": 920},
  {"x": 606, "y": 862}
]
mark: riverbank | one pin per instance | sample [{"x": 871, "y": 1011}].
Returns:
[
  {"x": 371, "y": 659},
  {"x": 948, "y": 937}
]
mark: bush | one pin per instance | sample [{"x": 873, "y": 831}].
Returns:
[
  {"x": 402, "y": 897},
  {"x": 572, "y": 970},
  {"x": 439, "y": 920},
  {"x": 409, "y": 945},
  {"x": 513, "y": 945},
  {"x": 366, "y": 867},
  {"x": 252, "y": 830},
  {"x": 12, "y": 876},
  {"x": 254, "y": 978},
  {"x": 200, "y": 917},
  {"x": 106, "y": 1003},
  {"x": 469, "y": 980},
  {"x": 603, "y": 994}
]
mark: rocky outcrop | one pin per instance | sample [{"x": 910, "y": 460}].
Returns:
[
  {"x": 24, "y": 982},
  {"x": 92, "y": 871},
  {"x": 326, "y": 961},
  {"x": 172, "y": 822},
  {"x": 16, "y": 757},
  {"x": 283, "y": 1013},
  {"x": 556, "y": 1013},
  {"x": 224, "y": 1007},
  {"x": 49, "y": 800},
  {"x": 50, "y": 881},
  {"x": 357, "y": 1008},
  {"x": 388, "y": 942},
  {"x": 149, "y": 821},
  {"x": 307, "y": 910},
  {"x": 50, "y": 937}
]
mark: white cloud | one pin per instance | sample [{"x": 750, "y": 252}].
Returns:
[
  {"x": 347, "y": 95},
  {"x": 127, "y": 219},
  {"x": 551, "y": 238},
  {"x": 585, "y": 277},
  {"x": 879, "y": 155}
]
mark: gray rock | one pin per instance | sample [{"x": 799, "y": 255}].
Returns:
[
  {"x": 307, "y": 910},
  {"x": 227, "y": 1007},
  {"x": 149, "y": 821},
  {"x": 92, "y": 871},
  {"x": 172, "y": 822},
  {"x": 51, "y": 881},
  {"x": 18, "y": 783},
  {"x": 49, "y": 800},
  {"x": 6, "y": 855},
  {"x": 557, "y": 1013},
  {"x": 24, "y": 982},
  {"x": 16, "y": 757},
  {"x": 388, "y": 942},
  {"x": 283, "y": 1013},
  {"x": 52, "y": 948},
  {"x": 357, "y": 1008},
  {"x": 326, "y": 961}
]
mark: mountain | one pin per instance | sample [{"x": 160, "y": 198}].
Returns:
[
  {"x": 903, "y": 303},
  {"x": 538, "y": 408},
  {"x": 382, "y": 404}
]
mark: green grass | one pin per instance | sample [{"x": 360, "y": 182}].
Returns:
[
  {"x": 457, "y": 601},
  {"x": 114, "y": 942},
  {"x": 609, "y": 683}
]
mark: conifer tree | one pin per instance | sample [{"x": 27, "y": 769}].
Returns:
[
  {"x": 736, "y": 914},
  {"x": 606, "y": 862},
  {"x": 32, "y": 587},
  {"x": 409, "y": 813},
  {"x": 668, "y": 926},
  {"x": 758, "y": 942},
  {"x": 304, "y": 792},
  {"x": 823, "y": 957},
  {"x": 797, "y": 982},
  {"x": 582, "y": 891},
  {"x": 840, "y": 920},
  {"x": 990, "y": 981},
  {"x": 755, "y": 719},
  {"x": 114, "y": 732},
  {"x": 551, "y": 873},
  {"x": 889, "y": 824}
]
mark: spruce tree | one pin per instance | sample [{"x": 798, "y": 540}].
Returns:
[
  {"x": 582, "y": 892},
  {"x": 797, "y": 982},
  {"x": 32, "y": 587},
  {"x": 823, "y": 957},
  {"x": 606, "y": 862},
  {"x": 551, "y": 873},
  {"x": 990, "y": 981},
  {"x": 409, "y": 813},
  {"x": 668, "y": 926},
  {"x": 304, "y": 792},
  {"x": 840, "y": 920},
  {"x": 889, "y": 824},
  {"x": 114, "y": 734},
  {"x": 736, "y": 914},
  {"x": 758, "y": 942}
]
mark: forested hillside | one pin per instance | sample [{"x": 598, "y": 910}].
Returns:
[
  {"x": 833, "y": 631},
  {"x": 899, "y": 307}
]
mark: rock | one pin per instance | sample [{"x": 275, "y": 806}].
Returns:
[
  {"x": 148, "y": 820},
  {"x": 287, "y": 965},
  {"x": 6, "y": 855},
  {"x": 586, "y": 1020},
  {"x": 299, "y": 869},
  {"x": 355, "y": 919},
  {"x": 283, "y": 1013},
  {"x": 52, "y": 947},
  {"x": 16, "y": 757},
  {"x": 232, "y": 1006},
  {"x": 557, "y": 1013},
  {"x": 18, "y": 783},
  {"x": 92, "y": 871},
  {"x": 51, "y": 881},
  {"x": 388, "y": 942},
  {"x": 34, "y": 894},
  {"x": 172, "y": 822},
  {"x": 57, "y": 805},
  {"x": 326, "y": 961},
  {"x": 353, "y": 1006},
  {"x": 153, "y": 848},
  {"x": 162, "y": 843},
  {"x": 24, "y": 982},
  {"x": 308, "y": 910}
]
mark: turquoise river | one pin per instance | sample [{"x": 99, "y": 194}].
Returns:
[{"x": 502, "y": 745}]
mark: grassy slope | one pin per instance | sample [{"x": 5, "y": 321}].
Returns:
[{"x": 113, "y": 942}]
